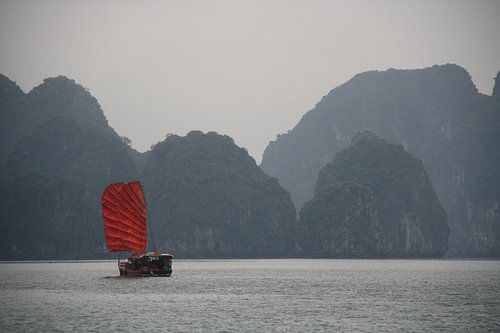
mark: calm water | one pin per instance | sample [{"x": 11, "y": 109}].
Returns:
[{"x": 254, "y": 296}]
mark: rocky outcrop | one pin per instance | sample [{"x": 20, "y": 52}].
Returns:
[
  {"x": 496, "y": 87},
  {"x": 208, "y": 198},
  {"x": 14, "y": 119},
  {"x": 437, "y": 114},
  {"x": 373, "y": 200},
  {"x": 48, "y": 217},
  {"x": 70, "y": 137},
  {"x": 58, "y": 156}
]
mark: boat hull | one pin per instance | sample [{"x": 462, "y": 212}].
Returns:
[{"x": 143, "y": 272}]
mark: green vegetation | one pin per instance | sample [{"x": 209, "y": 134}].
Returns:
[
  {"x": 438, "y": 115},
  {"x": 338, "y": 222},
  {"x": 48, "y": 217},
  {"x": 208, "y": 198},
  {"x": 14, "y": 118},
  {"x": 58, "y": 153},
  {"x": 373, "y": 199}
]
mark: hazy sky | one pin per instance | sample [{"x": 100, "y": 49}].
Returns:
[{"x": 249, "y": 69}]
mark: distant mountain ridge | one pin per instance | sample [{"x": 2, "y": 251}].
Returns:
[
  {"x": 207, "y": 197},
  {"x": 58, "y": 152},
  {"x": 437, "y": 114},
  {"x": 372, "y": 101}
]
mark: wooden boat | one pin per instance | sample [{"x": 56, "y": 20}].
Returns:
[
  {"x": 124, "y": 213},
  {"x": 146, "y": 264}
]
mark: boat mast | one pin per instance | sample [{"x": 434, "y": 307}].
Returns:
[{"x": 150, "y": 228}]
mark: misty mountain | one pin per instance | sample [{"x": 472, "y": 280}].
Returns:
[
  {"x": 373, "y": 200},
  {"x": 208, "y": 198},
  {"x": 437, "y": 114},
  {"x": 58, "y": 153},
  {"x": 69, "y": 136},
  {"x": 14, "y": 116}
]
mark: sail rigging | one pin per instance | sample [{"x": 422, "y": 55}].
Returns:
[{"x": 124, "y": 214}]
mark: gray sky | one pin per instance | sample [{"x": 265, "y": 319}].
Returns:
[{"x": 249, "y": 69}]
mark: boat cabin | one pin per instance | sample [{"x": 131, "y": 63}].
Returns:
[{"x": 146, "y": 264}]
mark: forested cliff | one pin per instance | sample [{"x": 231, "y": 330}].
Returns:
[
  {"x": 373, "y": 200},
  {"x": 438, "y": 115},
  {"x": 58, "y": 154},
  {"x": 207, "y": 197}
]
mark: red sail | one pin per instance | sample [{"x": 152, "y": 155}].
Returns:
[{"x": 124, "y": 214}]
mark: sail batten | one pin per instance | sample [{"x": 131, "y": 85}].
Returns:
[
  {"x": 118, "y": 219},
  {"x": 134, "y": 234},
  {"x": 126, "y": 228},
  {"x": 124, "y": 214}
]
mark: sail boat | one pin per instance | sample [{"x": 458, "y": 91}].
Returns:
[{"x": 124, "y": 213}]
